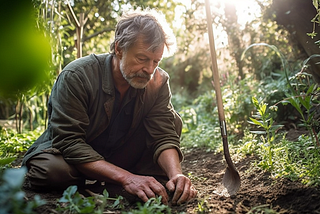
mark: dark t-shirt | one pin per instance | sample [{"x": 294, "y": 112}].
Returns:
[{"x": 121, "y": 119}]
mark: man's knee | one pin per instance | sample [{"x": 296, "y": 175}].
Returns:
[{"x": 51, "y": 171}]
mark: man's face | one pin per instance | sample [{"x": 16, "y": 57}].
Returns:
[{"x": 138, "y": 65}]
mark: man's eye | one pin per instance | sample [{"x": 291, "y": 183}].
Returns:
[{"x": 142, "y": 59}]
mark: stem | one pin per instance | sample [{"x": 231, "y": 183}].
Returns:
[{"x": 316, "y": 137}]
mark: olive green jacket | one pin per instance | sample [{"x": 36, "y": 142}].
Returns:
[{"x": 80, "y": 107}]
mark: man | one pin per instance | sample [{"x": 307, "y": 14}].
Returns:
[{"x": 111, "y": 119}]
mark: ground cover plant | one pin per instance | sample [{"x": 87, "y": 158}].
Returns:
[{"x": 272, "y": 110}]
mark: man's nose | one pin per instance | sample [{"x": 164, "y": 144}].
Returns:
[{"x": 149, "y": 67}]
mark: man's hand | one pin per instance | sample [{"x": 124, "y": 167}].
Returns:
[
  {"x": 182, "y": 188},
  {"x": 178, "y": 183},
  {"x": 145, "y": 187}
]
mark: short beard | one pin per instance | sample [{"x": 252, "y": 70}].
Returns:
[{"x": 131, "y": 78}]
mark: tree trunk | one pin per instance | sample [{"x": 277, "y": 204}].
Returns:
[
  {"x": 234, "y": 34},
  {"x": 296, "y": 16}
]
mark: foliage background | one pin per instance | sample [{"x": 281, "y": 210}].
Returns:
[{"x": 268, "y": 85}]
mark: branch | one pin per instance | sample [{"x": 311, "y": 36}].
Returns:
[
  {"x": 73, "y": 15},
  {"x": 97, "y": 33}
]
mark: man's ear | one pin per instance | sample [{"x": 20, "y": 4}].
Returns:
[{"x": 118, "y": 50}]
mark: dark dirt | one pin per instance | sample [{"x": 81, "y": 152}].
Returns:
[{"x": 258, "y": 189}]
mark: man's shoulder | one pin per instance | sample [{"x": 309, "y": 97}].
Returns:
[
  {"x": 87, "y": 61},
  {"x": 162, "y": 72},
  {"x": 159, "y": 79},
  {"x": 160, "y": 76}
]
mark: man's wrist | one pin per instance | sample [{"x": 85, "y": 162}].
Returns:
[{"x": 122, "y": 177}]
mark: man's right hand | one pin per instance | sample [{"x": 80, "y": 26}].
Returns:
[{"x": 145, "y": 187}]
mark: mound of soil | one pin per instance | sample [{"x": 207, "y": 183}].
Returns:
[
  {"x": 257, "y": 193},
  {"x": 258, "y": 190}
]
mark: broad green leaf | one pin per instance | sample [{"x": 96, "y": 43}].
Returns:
[
  {"x": 255, "y": 102},
  {"x": 256, "y": 122},
  {"x": 263, "y": 109},
  {"x": 258, "y": 132},
  {"x": 6, "y": 160},
  {"x": 295, "y": 104}
]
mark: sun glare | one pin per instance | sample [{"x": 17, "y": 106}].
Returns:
[{"x": 247, "y": 10}]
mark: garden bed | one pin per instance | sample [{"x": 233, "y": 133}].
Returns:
[{"x": 258, "y": 193}]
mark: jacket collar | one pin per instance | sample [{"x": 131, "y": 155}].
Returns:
[{"x": 107, "y": 78}]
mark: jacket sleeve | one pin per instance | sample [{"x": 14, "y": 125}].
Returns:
[
  {"x": 161, "y": 121},
  {"x": 69, "y": 119}
]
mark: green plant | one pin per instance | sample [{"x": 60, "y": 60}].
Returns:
[
  {"x": 12, "y": 198},
  {"x": 201, "y": 123},
  {"x": 13, "y": 143},
  {"x": 298, "y": 160},
  {"x": 202, "y": 207},
  {"x": 264, "y": 120},
  {"x": 196, "y": 178},
  {"x": 316, "y": 18},
  {"x": 73, "y": 202},
  {"x": 248, "y": 143},
  {"x": 153, "y": 205},
  {"x": 304, "y": 104},
  {"x": 304, "y": 97}
]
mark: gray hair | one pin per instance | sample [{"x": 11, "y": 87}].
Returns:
[{"x": 150, "y": 24}]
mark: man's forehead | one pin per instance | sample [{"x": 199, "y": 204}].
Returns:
[{"x": 141, "y": 47}]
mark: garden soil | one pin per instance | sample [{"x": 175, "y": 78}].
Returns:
[{"x": 259, "y": 192}]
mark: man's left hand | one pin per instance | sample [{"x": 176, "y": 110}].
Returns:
[{"x": 183, "y": 189}]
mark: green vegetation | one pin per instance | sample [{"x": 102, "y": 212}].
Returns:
[
  {"x": 153, "y": 205},
  {"x": 264, "y": 95},
  {"x": 265, "y": 121},
  {"x": 13, "y": 144},
  {"x": 12, "y": 197},
  {"x": 73, "y": 202}
]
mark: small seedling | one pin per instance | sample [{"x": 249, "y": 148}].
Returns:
[{"x": 264, "y": 120}]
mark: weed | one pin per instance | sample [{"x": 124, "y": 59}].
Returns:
[
  {"x": 13, "y": 143},
  {"x": 153, "y": 205},
  {"x": 248, "y": 144},
  {"x": 202, "y": 207},
  {"x": 72, "y": 202},
  {"x": 264, "y": 120},
  {"x": 305, "y": 99},
  {"x": 299, "y": 160},
  {"x": 196, "y": 178}
]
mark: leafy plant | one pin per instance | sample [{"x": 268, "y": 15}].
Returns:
[
  {"x": 201, "y": 124},
  {"x": 304, "y": 104},
  {"x": 153, "y": 205},
  {"x": 316, "y": 19},
  {"x": 13, "y": 143},
  {"x": 298, "y": 160},
  {"x": 72, "y": 202},
  {"x": 304, "y": 97},
  {"x": 202, "y": 207},
  {"x": 248, "y": 143},
  {"x": 12, "y": 198},
  {"x": 264, "y": 120}
]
